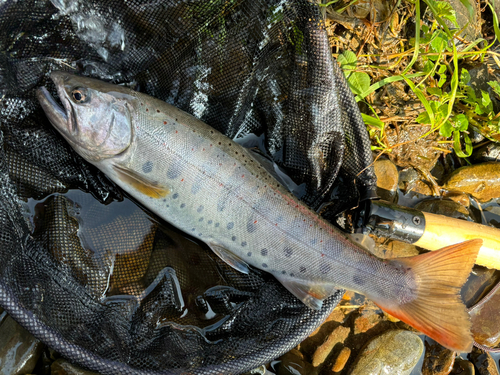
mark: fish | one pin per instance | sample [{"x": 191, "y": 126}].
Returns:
[{"x": 217, "y": 191}]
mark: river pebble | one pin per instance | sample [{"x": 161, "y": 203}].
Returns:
[
  {"x": 19, "y": 350},
  {"x": 481, "y": 181},
  {"x": 393, "y": 352},
  {"x": 484, "y": 363},
  {"x": 63, "y": 367},
  {"x": 387, "y": 179},
  {"x": 438, "y": 360},
  {"x": 341, "y": 359},
  {"x": 293, "y": 363},
  {"x": 462, "y": 367},
  {"x": 485, "y": 318},
  {"x": 337, "y": 336}
]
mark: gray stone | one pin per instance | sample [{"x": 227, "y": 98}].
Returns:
[
  {"x": 19, "y": 350},
  {"x": 63, "y": 367},
  {"x": 393, "y": 352}
]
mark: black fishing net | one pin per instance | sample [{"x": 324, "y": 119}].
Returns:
[{"x": 93, "y": 275}]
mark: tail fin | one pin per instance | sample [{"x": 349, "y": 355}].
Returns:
[{"x": 438, "y": 310}]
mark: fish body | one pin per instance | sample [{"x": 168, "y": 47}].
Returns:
[{"x": 215, "y": 190}]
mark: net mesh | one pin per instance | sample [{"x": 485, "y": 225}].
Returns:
[{"x": 94, "y": 276}]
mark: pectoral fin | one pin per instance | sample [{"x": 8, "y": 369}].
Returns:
[
  {"x": 147, "y": 187},
  {"x": 309, "y": 292},
  {"x": 233, "y": 260}
]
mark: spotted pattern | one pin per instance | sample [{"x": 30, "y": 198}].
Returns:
[
  {"x": 147, "y": 167},
  {"x": 264, "y": 265},
  {"x": 302, "y": 269},
  {"x": 263, "y": 252},
  {"x": 288, "y": 252},
  {"x": 183, "y": 205},
  {"x": 233, "y": 238},
  {"x": 175, "y": 196},
  {"x": 244, "y": 243},
  {"x": 249, "y": 254},
  {"x": 230, "y": 225},
  {"x": 325, "y": 268},
  {"x": 199, "y": 209},
  {"x": 251, "y": 227},
  {"x": 195, "y": 188},
  {"x": 359, "y": 280},
  {"x": 174, "y": 171}
]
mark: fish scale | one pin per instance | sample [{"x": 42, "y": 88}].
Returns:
[{"x": 214, "y": 189}]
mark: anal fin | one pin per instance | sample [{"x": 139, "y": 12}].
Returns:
[
  {"x": 147, "y": 187},
  {"x": 230, "y": 258},
  {"x": 311, "y": 293}
]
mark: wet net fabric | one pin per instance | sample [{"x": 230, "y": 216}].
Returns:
[{"x": 103, "y": 282}]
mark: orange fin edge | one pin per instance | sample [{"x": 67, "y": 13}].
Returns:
[{"x": 438, "y": 310}]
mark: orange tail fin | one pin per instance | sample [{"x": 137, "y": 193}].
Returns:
[{"x": 438, "y": 310}]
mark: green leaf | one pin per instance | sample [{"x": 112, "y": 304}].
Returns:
[
  {"x": 359, "y": 82},
  {"x": 428, "y": 66},
  {"x": 347, "y": 60},
  {"x": 439, "y": 41},
  {"x": 457, "y": 146},
  {"x": 444, "y": 10},
  {"x": 370, "y": 120},
  {"x": 495, "y": 86},
  {"x": 423, "y": 118},
  {"x": 446, "y": 129},
  {"x": 434, "y": 91},
  {"x": 461, "y": 122},
  {"x": 486, "y": 100},
  {"x": 464, "y": 77}
]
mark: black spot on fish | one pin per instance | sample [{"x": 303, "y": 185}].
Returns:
[
  {"x": 175, "y": 196},
  {"x": 195, "y": 188},
  {"x": 221, "y": 204},
  {"x": 174, "y": 170},
  {"x": 200, "y": 219},
  {"x": 325, "y": 268},
  {"x": 292, "y": 275},
  {"x": 230, "y": 225},
  {"x": 288, "y": 252},
  {"x": 243, "y": 243},
  {"x": 199, "y": 234},
  {"x": 193, "y": 229},
  {"x": 233, "y": 238},
  {"x": 199, "y": 209},
  {"x": 217, "y": 224},
  {"x": 264, "y": 265},
  {"x": 251, "y": 227},
  {"x": 359, "y": 280},
  {"x": 263, "y": 252},
  {"x": 283, "y": 272},
  {"x": 183, "y": 205},
  {"x": 249, "y": 253},
  {"x": 209, "y": 221},
  {"x": 147, "y": 167},
  {"x": 164, "y": 200},
  {"x": 302, "y": 269}
]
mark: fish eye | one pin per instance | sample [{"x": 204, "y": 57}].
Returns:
[{"x": 80, "y": 95}]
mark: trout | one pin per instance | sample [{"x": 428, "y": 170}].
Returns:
[{"x": 214, "y": 189}]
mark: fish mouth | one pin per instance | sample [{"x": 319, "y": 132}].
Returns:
[{"x": 59, "y": 116}]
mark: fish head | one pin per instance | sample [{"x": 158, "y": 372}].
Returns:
[{"x": 95, "y": 116}]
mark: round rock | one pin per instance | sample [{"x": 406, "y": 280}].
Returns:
[{"x": 393, "y": 352}]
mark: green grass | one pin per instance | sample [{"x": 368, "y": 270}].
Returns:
[{"x": 433, "y": 66}]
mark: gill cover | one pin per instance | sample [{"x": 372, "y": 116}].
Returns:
[{"x": 96, "y": 119}]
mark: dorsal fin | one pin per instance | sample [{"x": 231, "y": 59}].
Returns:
[{"x": 147, "y": 187}]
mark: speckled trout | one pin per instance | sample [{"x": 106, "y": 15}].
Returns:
[{"x": 215, "y": 190}]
